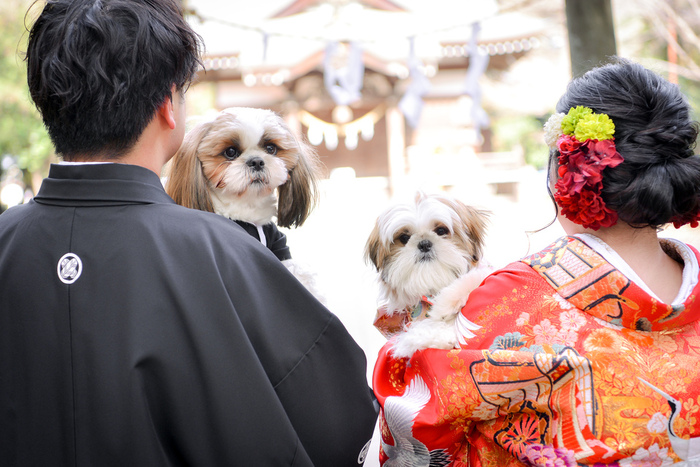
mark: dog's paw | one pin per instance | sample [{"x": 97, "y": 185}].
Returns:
[
  {"x": 427, "y": 333},
  {"x": 445, "y": 327},
  {"x": 450, "y": 301}
]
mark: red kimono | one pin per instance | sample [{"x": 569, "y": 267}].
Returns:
[{"x": 574, "y": 364}]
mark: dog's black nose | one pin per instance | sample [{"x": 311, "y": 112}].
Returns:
[
  {"x": 256, "y": 163},
  {"x": 425, "y": 245}
]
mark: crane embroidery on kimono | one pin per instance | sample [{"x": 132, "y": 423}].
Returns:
[
  {"x": 400, "y": 413},
  {"x": 685, "y": 449}
]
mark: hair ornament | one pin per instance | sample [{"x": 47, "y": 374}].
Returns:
[
  {"x": 586, "y": 147},
  {"x": 692, "y": 219}
]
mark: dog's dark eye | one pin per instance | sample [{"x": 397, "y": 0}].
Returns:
[
  {"x": 271, "y": 148},
  {"x": 442, "y": 231},
  {"x": 404, "y": 238},
  {"x": 231, "y": 153}
]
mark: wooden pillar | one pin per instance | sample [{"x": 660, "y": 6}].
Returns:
[{"x": 591, "y": 34}]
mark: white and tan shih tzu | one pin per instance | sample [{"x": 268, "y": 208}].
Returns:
[
  {"x": 247, "y": 165},
  {"x": 429, "y": 257}
]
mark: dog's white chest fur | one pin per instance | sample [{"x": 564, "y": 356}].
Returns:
[{"x": 246, "y": 207}]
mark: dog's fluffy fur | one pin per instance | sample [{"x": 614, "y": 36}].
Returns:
[
  {"x": 445, "y": 327},
  {"x": 433, "y": 246},
  {"x": 246, "y": 164}
]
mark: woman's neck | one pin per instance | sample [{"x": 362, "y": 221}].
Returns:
[{"x": 641, "y": 250}]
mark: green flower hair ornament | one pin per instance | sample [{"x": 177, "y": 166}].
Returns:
[
  {"x": 570, "y": 121},
  {"x": 580, "y": 122}
]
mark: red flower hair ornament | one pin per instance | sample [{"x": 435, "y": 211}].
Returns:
[{"x": 586, "y": 147}]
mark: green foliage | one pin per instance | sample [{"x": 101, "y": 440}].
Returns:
[
  {"x": 22, "y": 133},
  {"x": 524, "y": 132}
]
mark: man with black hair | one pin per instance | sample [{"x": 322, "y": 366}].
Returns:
[{"x": 134, "y": 331}]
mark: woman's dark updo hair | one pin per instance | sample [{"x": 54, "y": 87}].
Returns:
[{"x": 659, "y": 180}]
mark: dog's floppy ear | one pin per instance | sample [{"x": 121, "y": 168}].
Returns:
[
  {"x": 470, "y": 228},
  {"x": 374, "y": 250},
  {"x": 186, "y": 183},
  {"x": 474, "y": 222},
  {"x": 298, "y": 196}
]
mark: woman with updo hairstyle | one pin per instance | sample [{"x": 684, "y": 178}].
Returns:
[
  {"x": 587, "y": 352},
  {"x": 659, "y": 180}
]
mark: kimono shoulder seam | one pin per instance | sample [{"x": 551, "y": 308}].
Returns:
[{"x": 318, "y": 338}]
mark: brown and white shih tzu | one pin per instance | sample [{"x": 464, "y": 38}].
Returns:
[
  {"x": 429, "y": 257},
  {"x": 246, "y": 164}
]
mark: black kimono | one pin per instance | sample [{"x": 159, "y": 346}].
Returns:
[{"x": 136, "y": 332}]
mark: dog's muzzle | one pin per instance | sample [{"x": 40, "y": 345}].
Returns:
[
  {"x": 425, "y": 247},
  {"x": 256, "y": 164},
  {"x": 257, "y": 171}
]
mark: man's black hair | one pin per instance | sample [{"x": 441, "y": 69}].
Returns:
[{"x": 99, "y": 69}]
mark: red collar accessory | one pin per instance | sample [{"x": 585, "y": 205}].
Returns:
[
  {"x": 586, "y": 147},
  {"x": 390, "y": 324}
]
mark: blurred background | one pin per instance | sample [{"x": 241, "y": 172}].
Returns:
[{"x": 396, "y": 95}]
